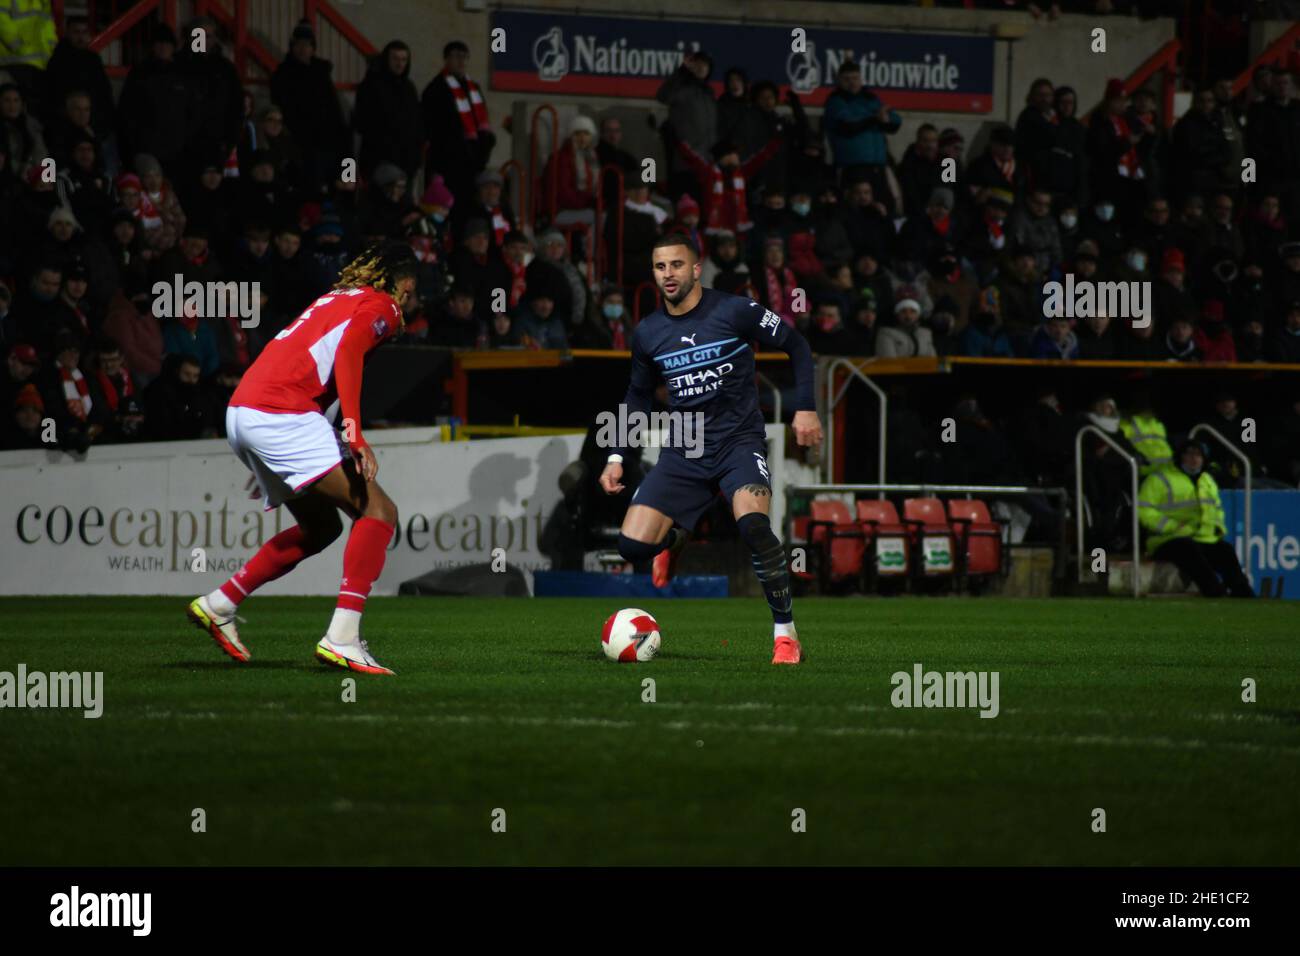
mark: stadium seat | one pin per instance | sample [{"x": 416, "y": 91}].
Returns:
[
  {"x": 981, "y": 541},
  {"x": 837, "y": 541},
  {"x": 933, "y": 543},
  {"x": 887, "y": 537}
]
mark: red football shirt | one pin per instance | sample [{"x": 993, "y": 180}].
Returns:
[{"x": 319, "y": 356}]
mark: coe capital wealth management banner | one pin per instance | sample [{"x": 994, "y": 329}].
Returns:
[
  {"x": 129, "y": 518},
  {"x": 628, "y": 57}
]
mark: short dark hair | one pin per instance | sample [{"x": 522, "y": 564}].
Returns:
[
  {"x": 676, "y": 239},
  {"x": 455, "y": 46}
]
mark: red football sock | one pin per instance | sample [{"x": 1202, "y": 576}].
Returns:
[
  {"x": 363, "y": 559},
  {"x": 274, "y": 559}
]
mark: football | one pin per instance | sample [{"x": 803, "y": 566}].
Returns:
[{"x": 630, "y": 635}]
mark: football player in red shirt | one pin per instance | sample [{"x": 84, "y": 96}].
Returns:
[{"x": 278, "y": 423}]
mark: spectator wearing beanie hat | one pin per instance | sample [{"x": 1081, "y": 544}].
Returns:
[
  {"x": 23, "y": 427},
  {"x": 1170, "y": 298},
  {"x": 159, "y": 192},
  {"x": 21, "y": 367},
  {"x": 906, "y": 338},
  {"x": 577, "y": 175},
  {"x": 688, "y": 222},
  {"x": 538, "y": 317},
  {"x": 156, "y": 235}
]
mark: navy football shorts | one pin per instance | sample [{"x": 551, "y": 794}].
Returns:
[{"x": 683, "y": 488}]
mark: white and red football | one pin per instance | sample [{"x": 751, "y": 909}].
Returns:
[{"x": 630, "y": 635}]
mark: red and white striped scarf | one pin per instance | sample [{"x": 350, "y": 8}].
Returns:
[
  {"x": 517, "y": 282},
  {"x": 470, "y": 105},
  {"x": 76, "y": 392},
  {"x": 779, "y": 294},
  {"x": 1130, "y": 167},
  {"x": 115, "y": 389},
  {"x": 500, "y": 225},
  {"x": 618, "y": 334}
]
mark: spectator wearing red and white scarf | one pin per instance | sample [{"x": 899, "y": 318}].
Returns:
[
  {"x": 487, "y": 205},
  {"x": 723, "y": 182},
  {"x": 455, "y": 118},
  {"x": 67, "y": 395},
  {"x": 776, "y": 284},
  {"x": 1114, "y": 147}
]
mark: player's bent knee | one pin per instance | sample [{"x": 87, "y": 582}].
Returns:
[
  {"x": 636, "y": 551},
  {"x": 380, "y": 506}
]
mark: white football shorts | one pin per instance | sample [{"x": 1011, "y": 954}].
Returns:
[{"x": 286, "y": 452}]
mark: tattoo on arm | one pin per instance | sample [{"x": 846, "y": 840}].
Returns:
[{"x": 757, "y": 490}]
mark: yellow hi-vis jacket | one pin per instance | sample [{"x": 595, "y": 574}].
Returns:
[
  {"x": 1146, "y": 433},
  {"x": 27, "y": 33},
  {"x": 1171, "y": 505}
]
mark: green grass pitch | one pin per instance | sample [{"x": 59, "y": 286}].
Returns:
[{"x": 1135, "y": 708}]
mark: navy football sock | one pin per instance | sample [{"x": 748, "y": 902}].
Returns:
[{"x": 769, "y": 564}]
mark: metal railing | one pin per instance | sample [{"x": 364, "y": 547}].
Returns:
[
  {"x": 1078, "y": 500},
  {"x": 1245, "y": 546},
  {"x": 833, "y": 399},
  {"x": 603, "y": 266},
  {"x": 536, "y": 174}
]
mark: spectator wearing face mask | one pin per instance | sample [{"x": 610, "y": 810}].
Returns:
[
  {"x": 1100, "y": 225},
  {"x": 1067, "y": 229},
  {"x": 1133, "y": 266},
  {"x": 944, "y": 278},
  {"x": 1107, "y": 478}
]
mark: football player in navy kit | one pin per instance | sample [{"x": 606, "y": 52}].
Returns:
[{"x": 699, "y": 344}]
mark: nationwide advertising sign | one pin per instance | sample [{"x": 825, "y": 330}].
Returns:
[
  {"x": 1274, "y": 547},
  {"x": 574, "y": 54}
]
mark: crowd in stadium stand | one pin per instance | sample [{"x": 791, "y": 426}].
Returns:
[{"x": 855, "y": 238}]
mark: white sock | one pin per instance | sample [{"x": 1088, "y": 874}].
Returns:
[
  {"x": 345, "y": 626},
  {"x": 784, "y": 630},
  {"x": 221, "y": 605}
]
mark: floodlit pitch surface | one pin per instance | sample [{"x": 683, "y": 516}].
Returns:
[{"x": 1133, "y": 708}]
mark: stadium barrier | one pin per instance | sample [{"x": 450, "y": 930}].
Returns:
[
  {"x": 180, "y": 517},
  {"x": 1079, "y": 502}
]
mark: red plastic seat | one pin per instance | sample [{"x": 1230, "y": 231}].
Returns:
[
  {"x": 840, "y": 541},
  {"x": 979, "y": 537},
  {"x": 888, "y": 537},
  {"x": 927, "y": 521}
]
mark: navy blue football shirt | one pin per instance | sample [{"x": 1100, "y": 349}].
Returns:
[{"x": 706, "y": 359}]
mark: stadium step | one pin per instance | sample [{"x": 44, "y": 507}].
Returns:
[{"x": 1154, "y": 578}]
